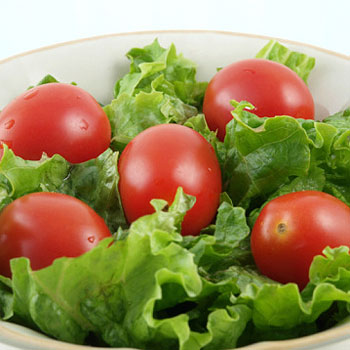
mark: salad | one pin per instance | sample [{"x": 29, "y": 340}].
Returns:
[{"x": 178, "y": 262}]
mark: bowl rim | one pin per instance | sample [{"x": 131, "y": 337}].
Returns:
[
  {"x": 172, "y": 31},
  {"x": 329, "y": 336}
]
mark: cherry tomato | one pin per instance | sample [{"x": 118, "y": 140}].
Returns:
[
  {"x": 295, "y": 227},
  {"x": 44, "y": 226},
  {"x": 161, "y": 159},
  {"x": 271, "y": 87},
  {"x": 55, "y": 118}
]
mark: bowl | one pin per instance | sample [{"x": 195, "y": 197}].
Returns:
[{"x": 96, "y": 63}]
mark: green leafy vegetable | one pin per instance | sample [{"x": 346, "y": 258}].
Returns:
[
  {"x": 227, "y": 245},
  {"x": 153, "y": 61},
  {"x": 267, "y": 157},
  {"x": 298, "y": 62},
  {"x": 19, "y": 177},
  {"x": 340, "y": 120},
  {"x": 155, "y": 290},
  {"x": 6, "y": 298},
  {"x": 160, "y": 88},
  {"x": 150, "y": 288},
  {"x": 115, "y": 290},
  {"x": 262, "y": 154},
  {"x": 47, "y": 79},
  {"x": 96, "y": 183}
]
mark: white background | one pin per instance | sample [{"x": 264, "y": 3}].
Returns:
[{"x": 30, "y": 24}]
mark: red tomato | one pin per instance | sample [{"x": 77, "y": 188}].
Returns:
[
  {"x": 271, "y": 87},
  {"x": 295, "y": 227},
  {"x": 55, "y": 118},
  {"x": 161, "y": 159},
  {"x": 44, "y": 226}
]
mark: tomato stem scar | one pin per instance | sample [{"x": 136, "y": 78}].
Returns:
[{"x": 281, "y": 228}]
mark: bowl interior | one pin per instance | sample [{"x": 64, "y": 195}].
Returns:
[{"x": 96, "y": 63}]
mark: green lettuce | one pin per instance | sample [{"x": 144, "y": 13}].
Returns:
[
  {"x": 47, "y": 79},
  {"x": 6, "y": 299},
  {"x": 224, "y": 244},
  {"x": 340, "y": 120},
  {"x": 300, "y": 63},
  {"x": 19, "y": 177},
  {"x": 149, "y": 291},
  {"x": 281, "y": 311},
  {"x": 262, "y": 154},
  {"x": 263, "y": 158},
  {"x": 160, "y": 88},
  {"x": 148, "y": 287},
  {"x": 124, "y": 292},
  {"x": 153, "y": 61},
  {"x": 94, "y": 182}
]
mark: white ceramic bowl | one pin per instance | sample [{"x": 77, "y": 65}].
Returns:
[{"x": 96, "y": 63}]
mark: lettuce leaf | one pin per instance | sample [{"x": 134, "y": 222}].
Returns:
[
  {"x": 298, "y": 62},
  {"x": 148, "y": 287},
  {"x": 47, "y": 79},
  {"x": 95, "y": 182},
  {"x": 283, "y": 309},
  {"x": 120, "y": 291},
  {"x": 224, "y": 244},
  {"x": 19, "y": 177},
  {"x": 155, "y": 289},
  {"x": 263, "y": 158},
  {"x": 262, "y": 154},
  {"x": 151, "y": 62},
  {"x": 160, "y": 88},
  {"x": 6, "y": 298},
  {"x": 340, "y": 120}
]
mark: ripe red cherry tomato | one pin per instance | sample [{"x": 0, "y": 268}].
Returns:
[
  {"x": 44, "y": 226},
  {"x": 271, "y": 87},
  {"x": 295, "y": 227},
  {"x": 161, "y": 159},
  {"x": 55, "y": 118}
]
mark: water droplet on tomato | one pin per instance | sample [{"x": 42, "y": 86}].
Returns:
[
  {"x": 30, "y": 94},
  {"x": 91, "y": 239},
  {"x": 84, "y": 125},
  {"x": 9, "y": 124}
]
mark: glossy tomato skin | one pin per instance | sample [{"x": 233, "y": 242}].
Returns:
[
  {"x": 271, "y": 87},
  {"x": 44, "y": 226},
  {"x": 295, "y": 227},
  {"x": 161, "y": 159},
  {"x": 55, "y": 118}
]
